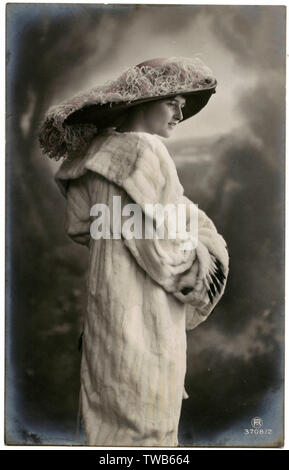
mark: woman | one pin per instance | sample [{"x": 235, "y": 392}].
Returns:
[{"x": 143, "y": 292}]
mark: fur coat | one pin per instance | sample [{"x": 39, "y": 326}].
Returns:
[{"x": 142, "y": 293}]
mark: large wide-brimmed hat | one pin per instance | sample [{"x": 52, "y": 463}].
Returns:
[{"x": 70, "y": 126}]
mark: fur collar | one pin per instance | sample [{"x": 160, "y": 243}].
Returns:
[{"x": 136, "y": 161}]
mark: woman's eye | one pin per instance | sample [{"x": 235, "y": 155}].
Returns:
[{"x": 175, "y": 105}]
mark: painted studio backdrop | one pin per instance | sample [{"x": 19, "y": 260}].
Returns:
[{"x": 230, "y": 160}]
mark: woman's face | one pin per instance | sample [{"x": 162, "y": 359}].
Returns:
[{"x": 161, "y": 117}]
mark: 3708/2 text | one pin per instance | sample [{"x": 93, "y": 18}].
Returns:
[{"x": 259, "y": 432}]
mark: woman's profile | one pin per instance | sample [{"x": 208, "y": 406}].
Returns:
[{"x": 143, "y": 292}]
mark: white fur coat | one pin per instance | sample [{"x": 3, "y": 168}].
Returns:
[{"x": 142, "y": 294}]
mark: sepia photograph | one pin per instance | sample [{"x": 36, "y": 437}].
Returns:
[{"x": 145, "y": 225}]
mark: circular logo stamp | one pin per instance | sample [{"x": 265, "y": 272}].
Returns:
[{"x": 256, "y": 422}]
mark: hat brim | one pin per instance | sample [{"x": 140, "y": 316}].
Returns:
[{"x": 109, "y": 114}]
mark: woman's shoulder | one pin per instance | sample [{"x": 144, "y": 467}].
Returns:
[
  {"x": 124, "y": 146},
  {"x": 137, "y": 144},
  {"x": 129, "y": 138},
  {"x": 151, "y": 141}
]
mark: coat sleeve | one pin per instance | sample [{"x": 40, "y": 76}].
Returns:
[
  {"x": 196, "y": 277},
  {"x": 203, "y": 285}
]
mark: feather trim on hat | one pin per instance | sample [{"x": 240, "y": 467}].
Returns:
[{"x": 176, "y": 75}]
